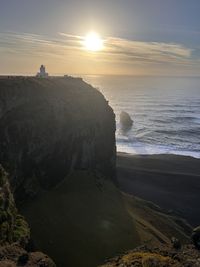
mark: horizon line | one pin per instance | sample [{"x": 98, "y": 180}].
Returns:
[{"x": 101, "y": 74}]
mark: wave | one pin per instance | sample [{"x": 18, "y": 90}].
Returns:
[
  {"x": 166, "y": 116},
  {"x": 142, "y": 149},
  {"x": 176, "y": 119}
]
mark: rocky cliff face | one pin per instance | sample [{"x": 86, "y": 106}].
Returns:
[{"x": 50, "y": 127}]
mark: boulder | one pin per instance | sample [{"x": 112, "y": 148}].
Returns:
[
  {"x": 175, "y": 243},
  {"x": 196, "y": 237}
]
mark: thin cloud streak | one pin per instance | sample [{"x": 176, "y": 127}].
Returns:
[{"x": 116, "y": 50}]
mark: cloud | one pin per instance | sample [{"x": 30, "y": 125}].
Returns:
[
  {"x": 116, "y": 50},
  {"x": 33, "y": 44}
]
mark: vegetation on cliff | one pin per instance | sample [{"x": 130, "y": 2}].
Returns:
[
  {"x": 164, "y": 256},
  {"x": 15, "y": 232},
  {"x": 13, "y": 227}
]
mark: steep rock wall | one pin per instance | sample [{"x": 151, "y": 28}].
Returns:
[{"x": 49, "y": 127}]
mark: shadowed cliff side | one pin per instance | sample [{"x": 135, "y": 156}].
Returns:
[{"x": 50, "y": 127}]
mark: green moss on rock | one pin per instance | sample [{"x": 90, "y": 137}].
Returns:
[
  {"x": 13, "y": 227},
  {"x": 21, "y": 230}
]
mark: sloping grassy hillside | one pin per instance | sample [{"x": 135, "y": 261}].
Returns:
[{"x": 86, "y": 219}]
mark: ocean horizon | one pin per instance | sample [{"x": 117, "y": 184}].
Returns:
[{"x": 165, "y": 111}]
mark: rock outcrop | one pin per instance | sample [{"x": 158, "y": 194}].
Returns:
[
  {"x": 13, "y": 255},
  {"x": 125, "y": 121},
  {"x": 50, "y": 127},
  {"x": 196, "y": 237},
  {"x": 166, "y": 256}
]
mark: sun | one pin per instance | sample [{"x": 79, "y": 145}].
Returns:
[{"x": 93, "y": 42}]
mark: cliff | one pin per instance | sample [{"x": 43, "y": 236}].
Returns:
[
  {"x": 50, "y": 127},
  {"x": 57, "y": 140}
]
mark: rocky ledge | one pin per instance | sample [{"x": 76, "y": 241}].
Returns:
[
  {"x": 187, "y": 256},
  {"x": 51, "y": 127}
]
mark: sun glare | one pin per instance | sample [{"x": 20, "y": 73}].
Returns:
[{"x": 93, "y": 42}]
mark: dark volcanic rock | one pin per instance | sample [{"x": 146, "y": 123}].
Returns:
[
  {"x": 176, "y": 243},
  {"x": 196, "y": 237},
  {"x": 125, "y": 121},
  {"x": 49, "y": 127},
  {"x": 12, "y": 255}
]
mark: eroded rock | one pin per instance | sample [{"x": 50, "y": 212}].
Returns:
[{"x": 125, "y": 121}]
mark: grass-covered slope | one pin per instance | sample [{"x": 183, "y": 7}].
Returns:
[{"x": 86, "y": 219}]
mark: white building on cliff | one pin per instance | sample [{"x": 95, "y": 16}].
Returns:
[{"x": 42, "y": 73}]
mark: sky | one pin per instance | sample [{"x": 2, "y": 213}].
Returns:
[{"x": 140, "y": 37}]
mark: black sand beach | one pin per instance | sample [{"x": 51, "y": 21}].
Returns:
[{"x": 172, "y": 182}]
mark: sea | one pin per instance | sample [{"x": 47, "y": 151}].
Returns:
[{"x": 165, "y": 113}]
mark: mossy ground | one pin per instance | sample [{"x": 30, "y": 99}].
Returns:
[{"x": 143, "y": 259}]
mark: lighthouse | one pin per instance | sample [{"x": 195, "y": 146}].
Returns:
[{"x": 42, "y": 73}]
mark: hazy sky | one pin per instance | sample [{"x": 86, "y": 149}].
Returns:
[{"x": 150, "y": 37}]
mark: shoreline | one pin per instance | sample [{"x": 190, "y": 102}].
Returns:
[
  {"x": 157, "y": 154},
  {"x": 170, "y": 181}
]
